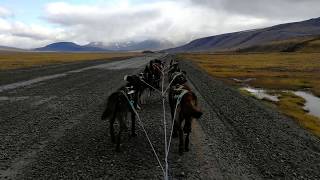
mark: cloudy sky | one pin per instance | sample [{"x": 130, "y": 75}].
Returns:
[{"x": 34, "y": 23}]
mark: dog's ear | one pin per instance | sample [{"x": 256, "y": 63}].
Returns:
[{"x": 125, "y": 77}]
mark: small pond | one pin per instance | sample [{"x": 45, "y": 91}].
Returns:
[{"x": 312, "y": 104}]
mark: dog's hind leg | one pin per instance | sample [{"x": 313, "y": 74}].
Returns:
[
  {"x": 133, "y": 124},
  {"x": 180, "y": 132},
  {"x": 187, "y": 130},
  {"x": 186, "y": 145},
  {"x": 175, "y": 121},
  {"x": 112, "y": 120},
  {"x": 140, "y": 101},
  {"x": 122, "y": 123},
  {"x": 171, "y": 104}
]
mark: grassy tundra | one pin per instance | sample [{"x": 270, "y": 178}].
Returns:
[
  {"x": 15, "y": 60},
  {"x": 276, "y": 71}
]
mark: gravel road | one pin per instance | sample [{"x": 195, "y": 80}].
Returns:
[{"x": 51, "y": 129}]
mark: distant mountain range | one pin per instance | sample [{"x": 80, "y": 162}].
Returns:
[
  {"x": 68, "y": 47},
  {"x": 6, "y": 48},
  {"x": 153, "y": 45},
  {"x": 245, "y": 39},
  {"x": 100, "y": 46}
]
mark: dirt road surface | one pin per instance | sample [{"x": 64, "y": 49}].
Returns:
[{"x": 51, "y": 129}]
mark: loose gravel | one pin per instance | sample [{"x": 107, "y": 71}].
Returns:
[{"x": 52, "y": 130}]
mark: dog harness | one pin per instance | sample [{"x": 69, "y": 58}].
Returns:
[
  {"x": 128, "y": 93},
  {"x": 182, "y": 93}
]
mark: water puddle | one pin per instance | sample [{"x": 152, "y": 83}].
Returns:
[
  {"x": 312, "y": 104},
  {"x": 261, "y": 94},
  {"x": 243, "y": 81}
]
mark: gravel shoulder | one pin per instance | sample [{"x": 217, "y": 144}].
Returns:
[{"x": 52, "y": 130}]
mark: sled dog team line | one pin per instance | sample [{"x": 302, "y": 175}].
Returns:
[{"x": 183, "y": 101}]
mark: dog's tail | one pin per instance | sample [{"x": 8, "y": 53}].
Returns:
[
  {"x": 110, "y": 107},
  {"x": 197, "y": 113},
  {"x": 193, "y": 107}
]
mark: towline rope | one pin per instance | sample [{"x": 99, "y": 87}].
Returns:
[
  {"x": 163, "y": 93},
  {"x": 144, "y": 130},
  {"x": 164, "y": 127},
  {"x": 167, "y": 144}
]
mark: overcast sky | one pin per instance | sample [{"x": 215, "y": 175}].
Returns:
[{"x": 34, "y": 23}]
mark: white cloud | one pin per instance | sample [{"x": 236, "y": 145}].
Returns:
[
  {"x": 21, "y": 35},
  {"x": 281, "y": 10},
  {"x": 177, "y": 21},
  {"x": 18, "y": 34},
  {"x": 106, "y": 23},
  {"x": 4, "y": 25},
  {"x": 20, "y": 42}
]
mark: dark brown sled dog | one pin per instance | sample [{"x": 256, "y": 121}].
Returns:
[{"x": 187, "y": 110}]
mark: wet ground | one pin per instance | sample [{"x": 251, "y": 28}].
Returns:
[{"x": 312, "y": 104}]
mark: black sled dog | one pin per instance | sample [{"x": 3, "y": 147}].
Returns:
[{"x": 119, "y": 104}]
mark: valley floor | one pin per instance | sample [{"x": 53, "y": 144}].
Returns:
[{"x": 51, "y": 129}]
